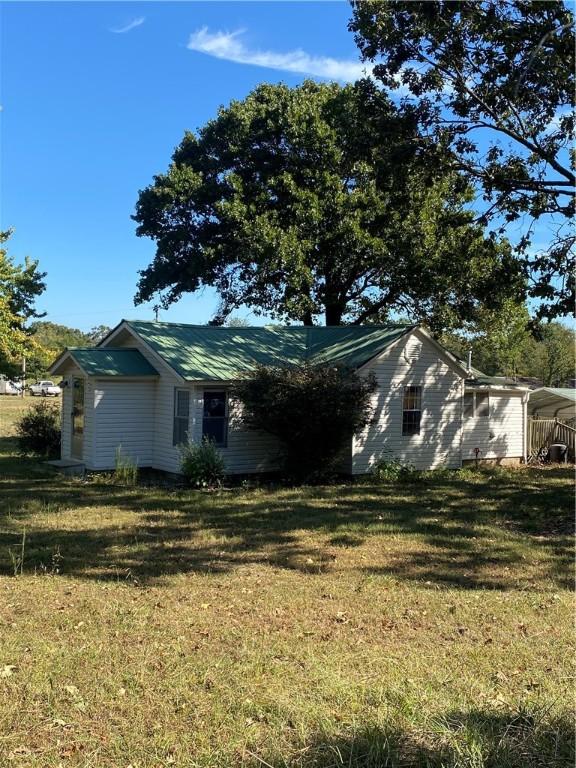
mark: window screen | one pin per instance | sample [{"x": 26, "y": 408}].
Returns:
[
  {"x": 477, "y": 404},
  {"x": 181, "y": 416},
  {"x": 482, "y": 404},
  {"x": 215, "y": 417},
  {"x": 411, "y": 410}
]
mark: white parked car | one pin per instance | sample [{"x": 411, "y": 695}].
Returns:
[
  {"x": 8, "y": 387},
  {"x": 45, "y": 389}
]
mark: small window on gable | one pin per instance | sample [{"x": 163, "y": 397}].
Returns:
[
  {"x": 181, "y": 416},
  {"x": 477, "y": 405},
  {"x": 411, "y": 410},
  {"x": 215, "y": 416}
]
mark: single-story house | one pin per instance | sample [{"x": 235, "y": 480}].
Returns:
[
  {"x": 150, "y": 386},
  {"x": 552, "y": 403}
]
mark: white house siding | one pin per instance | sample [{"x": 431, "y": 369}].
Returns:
[
  {"x": 501, "y": 435},
  {"x": 165, "y": 456},
  {"x": 246, "y": 451},
  {"x": 123, "y": 416},
  {"x": 413, "y": 361}
]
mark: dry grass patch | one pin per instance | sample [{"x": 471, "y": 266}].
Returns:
[{"x": 353, "y": 626}]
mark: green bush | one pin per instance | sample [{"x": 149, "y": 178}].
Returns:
[
  {"x": 202, "y": 464},
  {"x": 313, "y": 410},
  {"x": 392, "y": 470},
  {"x": 38, "y": 431}
]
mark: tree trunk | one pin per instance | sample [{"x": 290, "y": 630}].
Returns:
[{"x": 333, "y": 314}]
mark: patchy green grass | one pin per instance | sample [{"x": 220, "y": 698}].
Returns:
[{"x": 359, "y": 626}]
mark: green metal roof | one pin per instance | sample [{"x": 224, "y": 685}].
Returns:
[
  {"x": 200, "y": 352},
  {"x": 108, "y": 361}
]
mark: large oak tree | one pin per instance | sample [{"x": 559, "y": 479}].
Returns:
[
  {"x": 496, "y": 80},
  {"x": 316, "y": 202}
]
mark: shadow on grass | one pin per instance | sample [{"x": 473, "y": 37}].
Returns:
[
  {"x": 457, "y": 532},
  {"x": 476, "y": 739}
]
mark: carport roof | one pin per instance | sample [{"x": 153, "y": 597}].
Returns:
[{"x": 540, "y": 398}]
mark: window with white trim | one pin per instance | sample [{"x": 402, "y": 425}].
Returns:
[
  {"x": 181, "y": 416},
  {"x": 411, "y": 410},
  {"x": 477, "y": 405},
  {"x": 215, "y": 416}
]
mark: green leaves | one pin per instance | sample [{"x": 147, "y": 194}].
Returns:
[
  {"x": 496, "y": 80},
  {"x": 20, "y": 285},
  {"x": 318, "y": 202},
  {"x": 313, "y": 410}
]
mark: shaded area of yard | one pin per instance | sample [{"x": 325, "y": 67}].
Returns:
[
  {"x": 352, "y": 626},
  {"x": 502, "y": 741},
  {"x": 492, "y": 529}
]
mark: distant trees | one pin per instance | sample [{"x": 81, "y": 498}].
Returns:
[
  {"x": 502, "y": 344},
  {"x": 52, "y": 338},
  {"x": 320, "y": 203},
  {"x": 555, "y": 356},
  {"x": 493, "y": 82}
]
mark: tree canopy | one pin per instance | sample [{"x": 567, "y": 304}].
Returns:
[
  {"x": 496, "y": 81},
  {"x": 319, "y": 201},
  {"x": 20, "y": 286}
]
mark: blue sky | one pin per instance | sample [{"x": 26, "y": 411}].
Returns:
[{"x": 95, "y": 96}]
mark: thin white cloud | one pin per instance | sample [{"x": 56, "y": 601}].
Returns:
[
  {"x": 229, "y": 46},
  {"x": 137, "y": 22}
]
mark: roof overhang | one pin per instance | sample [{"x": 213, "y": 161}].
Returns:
[
  {"x": 106, "y": 362},
  {"x": 124, "y": 325},
  {"x": 59, "y": 365}
]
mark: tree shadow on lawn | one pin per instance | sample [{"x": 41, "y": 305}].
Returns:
[
  {"x": 449, "y": 526},
  {"x": 476, "y": 738}
]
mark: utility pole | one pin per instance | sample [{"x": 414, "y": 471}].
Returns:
[{"x": 23, "y": 375}]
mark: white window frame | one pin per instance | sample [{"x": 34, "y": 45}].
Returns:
[
  {"x": 175, "y": 416},
  {"x": 224, "y": 443},
  {"x": 419, "y": 410},
  {"x": 475, "y": 415}
]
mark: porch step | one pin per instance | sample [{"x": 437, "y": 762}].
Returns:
[{"x": 68, "y": 467}]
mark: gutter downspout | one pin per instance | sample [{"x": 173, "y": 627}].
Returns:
[{"x": 525, "y": 427}]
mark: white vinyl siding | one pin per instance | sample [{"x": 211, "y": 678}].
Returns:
[
  {"x": 123, "y": 416},
  {"x": 246, "y": 451},
  {"x": 413, "y": 361},
  {"x": 499, "y": 435},
  {"x": 166, "y": 456}
]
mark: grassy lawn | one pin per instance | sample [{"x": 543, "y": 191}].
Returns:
[{"x": 394, "y": 625}]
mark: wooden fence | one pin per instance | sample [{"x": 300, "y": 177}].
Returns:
[{"x": 542, "y": 433}]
